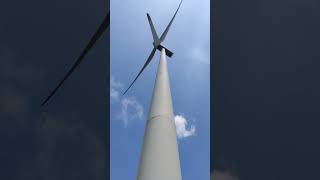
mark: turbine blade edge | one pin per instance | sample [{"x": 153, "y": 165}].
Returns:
[
  {"x": 142, "y": 69},
  {"x": 164, "y": 34},
  {"x": 96, "y": 36}
]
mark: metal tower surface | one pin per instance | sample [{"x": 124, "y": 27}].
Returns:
[{"x": 160, "y": 157}]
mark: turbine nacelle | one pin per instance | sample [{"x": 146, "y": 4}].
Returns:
[{"x": 160, "y": 47}]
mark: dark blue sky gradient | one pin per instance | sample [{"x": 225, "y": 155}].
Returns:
[
  {"x": 266, "y": 98},
  {"x": 68, "y": 138}
]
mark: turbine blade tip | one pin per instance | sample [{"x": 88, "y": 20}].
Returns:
[{"x": 42, "y": 104}]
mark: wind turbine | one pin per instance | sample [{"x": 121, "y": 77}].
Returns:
[
  {"x": 104, "y": 25},
  {"x": 156, "y": 44},
  {"x": 160, "y": 156}
]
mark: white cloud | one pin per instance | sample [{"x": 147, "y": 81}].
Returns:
[
  {"x": 114, "y": 89},
  {"x": 181, "y": 127},
  {"x": 130, "y": 107},
  {"x": 222, "y": 175}
]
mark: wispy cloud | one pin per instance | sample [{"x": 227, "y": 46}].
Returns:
[
  {"x": 200, "y": 55},
  {"x": 197, "y": 50},
  {"x": 181, "y": 127},
  {"x": 130, "y": 107},
  {"x": 223, "y": 175},
  {"x": 114, "y": 89}
]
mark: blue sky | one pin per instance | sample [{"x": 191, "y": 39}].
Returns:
[{"x": 131, "y": 43}]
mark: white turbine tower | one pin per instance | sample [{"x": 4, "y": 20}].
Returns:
[{"x": 160, "y": 156}]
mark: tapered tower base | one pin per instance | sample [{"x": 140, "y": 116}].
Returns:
[{"x": 160, "y": 157}]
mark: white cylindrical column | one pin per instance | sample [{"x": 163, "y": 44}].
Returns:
[{"x": 159, "y": 156}]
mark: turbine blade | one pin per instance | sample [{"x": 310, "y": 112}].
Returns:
[
  {"x": 153, "y": 30},
  {"x": 96, "y": 36},
  {"x": 144, "y": 66},
  {"x": 164, "y": 34}
]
